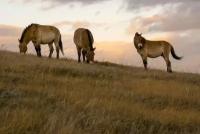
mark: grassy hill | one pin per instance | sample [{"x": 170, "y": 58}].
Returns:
[{"x": 49, "y": 96}]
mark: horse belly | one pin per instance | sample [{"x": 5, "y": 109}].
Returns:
[
  {"x": 154, "y": 54},
  {"x": 47, "y": 38},
  {"x": 154, "y": 51}
]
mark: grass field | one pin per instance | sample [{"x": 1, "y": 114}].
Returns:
[{"x": 49, "y": 96}]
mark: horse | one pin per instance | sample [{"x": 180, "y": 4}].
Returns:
[
  {"x": 153, "y": 49},
  {"x": 41, "y": 34},
  {"x": 84, "y": 40}
]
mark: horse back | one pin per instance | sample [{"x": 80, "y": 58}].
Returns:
[
  {"x": 157, "y": 44},
  {"x": 48, "y": 29},
  {"x": 46, "y": 34},
  {"x": 83, "y": 38}
]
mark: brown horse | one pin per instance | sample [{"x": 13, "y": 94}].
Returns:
[
  {"x": 83, "y": 40},
  {"x": 153, "y": 49},
  {"x": 41, "y": 34}
]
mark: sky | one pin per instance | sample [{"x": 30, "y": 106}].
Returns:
[{"x": 113, "y": 24}]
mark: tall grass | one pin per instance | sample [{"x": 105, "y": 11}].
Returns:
[{"x": 49, "y": 96}]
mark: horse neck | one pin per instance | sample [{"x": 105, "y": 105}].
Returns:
[
  {"x": 27, "y": 37},
  {"x": 136, "y": 45}
]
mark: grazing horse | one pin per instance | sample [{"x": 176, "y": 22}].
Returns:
[
  {"x": 153, "y": 49},
  {"x": 41, "y": 34},
  {"x": 83, "y": 40}
]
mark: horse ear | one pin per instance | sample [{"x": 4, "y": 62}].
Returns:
[
  {"x": 18, "y": 40},
  {"x": 136, "y": 34},
  {"x": 94, "y": 48}
]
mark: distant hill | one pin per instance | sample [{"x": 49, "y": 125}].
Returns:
[{"x": 50, "y": 96}]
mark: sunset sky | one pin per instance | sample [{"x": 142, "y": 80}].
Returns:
[{"x": 113, "y": 24}]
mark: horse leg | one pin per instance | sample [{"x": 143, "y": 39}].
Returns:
[
  {"x": 50, "y": 49},
  {"x": 38, "y": 50},
  {"x": 168, "y": 63},
  {"x": 144, "y": 59},
  {"x": 79, "y": 54},
  {"x": 57, "y": 51},
  {"x": 169, "y": 68},
  {"x": 83, "y": 54},
  {"x": 56, "y": 43}
]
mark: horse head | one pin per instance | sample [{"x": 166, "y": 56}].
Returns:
[
  {"x": 139, "y": 41},
  {"x": 90, "y": 55},
  {"x": 22, "y": 47}
]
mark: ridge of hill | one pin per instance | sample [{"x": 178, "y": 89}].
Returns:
[{"x": 50, "y": 96}]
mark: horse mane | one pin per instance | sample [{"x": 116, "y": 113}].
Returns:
[
  {"x": 90, "y": 37},
  {"x": 143, "y": 40},
  {"x": 25, "y": 31}
]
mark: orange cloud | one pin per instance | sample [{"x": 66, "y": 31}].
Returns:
[{"x": 118, "y": 52}]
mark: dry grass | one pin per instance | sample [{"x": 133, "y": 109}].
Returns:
[{"x": 49, "y": 96}]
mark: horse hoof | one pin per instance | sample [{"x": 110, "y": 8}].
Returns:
[{"x": 169, "y": 71}]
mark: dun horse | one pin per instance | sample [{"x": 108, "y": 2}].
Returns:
[
  {"x": 153, "y": 49},
  {"x": 41, "y": 34},
  {"x": 83, "y": 40}
]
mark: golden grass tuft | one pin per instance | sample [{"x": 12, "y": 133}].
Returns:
[{"x": 49, "y": 96}]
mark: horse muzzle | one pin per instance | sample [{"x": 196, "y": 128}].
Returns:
[{"x": 140, "y": 45}]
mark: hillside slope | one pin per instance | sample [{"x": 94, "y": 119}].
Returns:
[{"x": 49, "y": 96}]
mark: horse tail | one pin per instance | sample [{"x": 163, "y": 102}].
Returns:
[
  {"x": 174, "y": 54},
  {"x": 91, "y": 39},
  {"x": 61, "y": 45}
]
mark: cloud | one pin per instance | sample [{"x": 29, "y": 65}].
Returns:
[
  {"x": 135, "y": 4},
  {"x": 53, "y": 3},
  {"x": 8, "y": 37},
  {"x": 85, "y": 2},
  {"x": 7, "y": 30},
  {"x": 182, "y": 17},
  {"x": 73, "y": 24}
]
